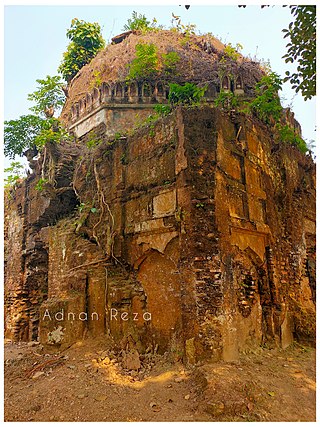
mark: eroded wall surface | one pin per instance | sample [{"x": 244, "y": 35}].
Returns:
[{"x": 195, "y": 235}]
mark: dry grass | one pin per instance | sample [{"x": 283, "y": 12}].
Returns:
[{"x": 199, "y": 62}]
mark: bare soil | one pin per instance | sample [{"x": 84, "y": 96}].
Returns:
[{"x": 88, "y": 383}]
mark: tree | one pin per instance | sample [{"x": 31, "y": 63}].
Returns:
[
  {"x": 21, "y": 134},
  {"x": 302, "y": 48},
  {"x": 49, "y": 96},
  {"x": 86, "y": 42},
  {"x": 34, "y": 130},
  {"x": 31, "y": 132}
]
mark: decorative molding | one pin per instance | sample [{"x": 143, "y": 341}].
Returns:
[{"x": 109, "y": 95}]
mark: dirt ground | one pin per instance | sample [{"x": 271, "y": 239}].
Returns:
[{"x": 87, "y": 383}]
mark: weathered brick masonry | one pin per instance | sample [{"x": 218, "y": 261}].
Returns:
[{"x": 201, "y": 220}]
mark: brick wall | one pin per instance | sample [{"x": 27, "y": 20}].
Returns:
[{"x": 197, "y": 231}]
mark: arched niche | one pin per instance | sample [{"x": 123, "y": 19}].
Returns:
[
  {"x": 77, "y": 110},
  {"x": 95, "y": 97},
  {"x": 211, "y": 91},
  {"x": 238, "y": 86},
  {"x": 88, "y": 102},
  {"x": 133, "y": 94},
  {"x": 225, "y": 84},
  {"x": 118, "y": 92},
  {"x": 105, "y": 93},
  {"x": 73, "y": 112},
  {"x": 160, "y": 93},
  {"x": 82, "y": 106},
  {"x": 147, "y": 92}
]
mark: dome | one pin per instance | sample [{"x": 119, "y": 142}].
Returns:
[{"x": 202, "y": 60}]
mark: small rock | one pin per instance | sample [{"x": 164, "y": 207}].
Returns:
[
  {"x": 215, "y": 408},
  {"x": 155, "y": 407},
  {"x": 169, "y": 386},
  {"x": 33, "y": 343},
  {"x": 37, "y": 375},
  {"x": 104, "y": 354},
  {"x": 250, "y": 406},
  {"x": 178, "y": 380},
  {"x": 71, "y": 367},
  {"x": 87, "y": 365},
  {"x": 35, "y": 408},
  {"x": 105, "y": 360},
  {"x": 81, "y": 396},
  {"x": 101, "y": 398},
  {"x": 187, "y": 396}
]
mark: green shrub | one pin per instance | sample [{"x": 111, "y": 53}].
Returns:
[
  {"x": 40, "y": 184},
  {"x": 93, "y": 142},
  {"x": 226, "y": 101},
  {"x": 14, "y": 174},
  {"x": 162, "y": 109},
  {"x": 146, "y": 63},
  {"x": 187, "y": 94},
  {"x": 177, "y": 25},
  {"x": 288, "y": 136},
  {"x": 139, "y": 22},
  {"x": 86, "y": 208},
  {"x": 96, "y": 81},
  {"x": 232, "y": 52},
  {"x": 52, "y": 131},
  {"x": 266, "y": 105},
  {"x": 170, "y": 61}
]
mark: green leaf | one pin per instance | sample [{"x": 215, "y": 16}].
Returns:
[
  {"x": 86, "y": 42},
  {"x": 302, "y": 47}
]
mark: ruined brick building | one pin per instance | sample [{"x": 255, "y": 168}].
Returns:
[{"x": 195, "y": 233}]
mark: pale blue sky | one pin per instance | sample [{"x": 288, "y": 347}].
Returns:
[{"x": 35, "y": 40}]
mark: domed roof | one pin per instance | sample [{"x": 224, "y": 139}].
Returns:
[{"x": 201, "y": 60}]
